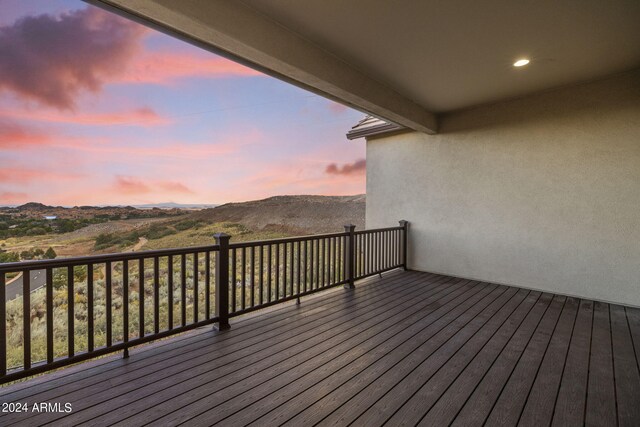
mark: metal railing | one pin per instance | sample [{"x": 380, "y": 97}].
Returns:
[{"x": 109, "y": 303}]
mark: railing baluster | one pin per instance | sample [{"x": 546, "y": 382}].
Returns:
[
  {"x": 277, "y": 265},
  {"x": 183, "y": 288},
  {"x": 234, "y": 279},
  {"x": 317, "y": 281},
  {"x": 170, "y": 292},
  {"x": 324, "y": 262},
  {"x": 387, "y": 248},
  {"x": 244, "y": 276},
  {"x": 359, "y": 266},
  {"x": 253, "y": 275},
  {"x": 109, "y": 302},
  {"x": 207, "y": 285},
  {"x": 309, "y": 261},
  {"x": 261, "y": 273},
  {"x": 327, "y": 263},
  {"x": 298, "y": 263},
  {"x": 285, "y": 258},
  {"x": 125, "y": 305},
  {"x": 156, "y": 295},
  {"x": 269, "y": 271},
  {"x": 335, "y": 257},
  {"x": 49, "y": 308},
  {"x": 196, "y": 294},
  {"x": 26, "y": 318},
  {"x": 291, "y": 264},
  {"x": 90, "y": 331},
  {"x": 70, "y": 312},
  {"x": 3, "y": 323},
  {"x": 305, "y": 261},
  {"x": 141, "y": 297}
]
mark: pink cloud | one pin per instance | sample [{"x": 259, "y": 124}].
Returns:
[
  {"x": 356, "y": 168},
  {"x": 175, "y": 187},
  {"x": 20, "y": 175},
  {"x": 337, "y": 108},
  {"x": 136, "y": 186},
  {"x": 165, "y": 67},
  {"x": 143, "y": 116},
  {"x": 130, "y": 185},
  {"x": 10, "y": 197},
  {"x": 51, "y": 60},
  {"x": 13, "y": 135}
]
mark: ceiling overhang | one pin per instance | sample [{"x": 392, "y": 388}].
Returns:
[{"x": 241, "y": 33}]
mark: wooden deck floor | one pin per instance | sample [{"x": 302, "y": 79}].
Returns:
[{"x": 410, "y": 348}]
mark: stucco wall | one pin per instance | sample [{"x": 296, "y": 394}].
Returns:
[{"x": 541, "y": 192}]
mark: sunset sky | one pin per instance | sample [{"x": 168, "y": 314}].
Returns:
[{"x": 96, "y": 109}]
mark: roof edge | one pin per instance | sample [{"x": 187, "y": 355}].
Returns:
[{"x": 370, "y": 126}]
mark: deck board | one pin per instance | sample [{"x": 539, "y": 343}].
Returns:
[
  {"x": 408, "y": 348},
  {"x": 601, "y": 393}
]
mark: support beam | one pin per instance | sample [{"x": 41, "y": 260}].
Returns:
[{"x": 238, "y": 32}]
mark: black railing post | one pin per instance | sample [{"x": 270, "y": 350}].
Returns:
[
  {"x": 350, "y": 255},
  {"x": 405, "y": 238},
  {"x": 222, "y": 280}
]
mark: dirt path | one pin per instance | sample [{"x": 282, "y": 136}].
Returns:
[{"x": 141, "y": 242}]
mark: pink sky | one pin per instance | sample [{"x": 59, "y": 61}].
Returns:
[{"x": 95, "y": 109}]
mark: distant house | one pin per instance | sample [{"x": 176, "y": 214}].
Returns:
[{"x": 50, "y": 217}]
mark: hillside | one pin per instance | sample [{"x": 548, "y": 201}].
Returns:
[
  {"x": 292, "y": 214},
  {"x": 270, "y": 218},
  {"x": 34, "y": 210}
]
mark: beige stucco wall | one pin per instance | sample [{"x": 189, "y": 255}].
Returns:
[{"x": 541, "y": 192}]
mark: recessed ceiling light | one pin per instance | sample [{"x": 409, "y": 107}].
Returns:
[{"x": 521, "y": 63}]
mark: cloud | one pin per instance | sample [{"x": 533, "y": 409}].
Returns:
[
  {"x": 13, "y": 135},
  {"x": 356, "y": 168},
  {"x": 10, "y": 197},
  {"x": 337, "y": 108},
  {"x": 52, "y": 60},
  {"x": 143, "y": 116},
  {"x": 168, "y": 66},
  {"x": 131, "y": 185},
  {"x": 175, "y": 187},
  {"x": 23, "y": 175}
]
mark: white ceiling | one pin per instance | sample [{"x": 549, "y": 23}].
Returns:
[{"x": 452, "y": 54}]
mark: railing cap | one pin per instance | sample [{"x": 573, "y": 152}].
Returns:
[{"x": 222, "y": 237}]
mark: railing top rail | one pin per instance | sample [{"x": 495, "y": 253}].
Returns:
[
  {"x": 377, "y": 230},
  {"x": 98, "y": 259},
  {"x": 285, "y": 240}
]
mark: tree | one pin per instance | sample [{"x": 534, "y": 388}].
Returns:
[
  {"x": 9, "y": 257},
  {"x": 50, "y": 254}
]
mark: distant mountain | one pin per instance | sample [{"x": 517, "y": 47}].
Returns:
[
  {"x": 297, "y": 215},
  {"x": 172, "y": 205},
  {"x": 33, "y": 206}
]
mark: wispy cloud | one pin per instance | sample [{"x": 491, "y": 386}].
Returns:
[
  {"x": 10, "y": 197},
  {"x": 15, "y": 136},
  {"x": 143, "y": 116},
  {"x": 169, "y": 66},
  {"x": 24, "y": 175},
  {"x": 356, "y": 168},
  {"x": 135, "y": 186}
]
